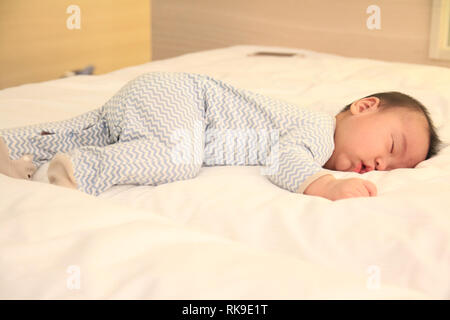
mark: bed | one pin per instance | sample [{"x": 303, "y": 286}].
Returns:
[{"x": 229, "y": 233}]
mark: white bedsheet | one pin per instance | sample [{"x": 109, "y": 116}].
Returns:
[{"x": 230, "y": 233}]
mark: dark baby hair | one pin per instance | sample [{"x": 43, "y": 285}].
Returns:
[{"x": 395, "y": 99}]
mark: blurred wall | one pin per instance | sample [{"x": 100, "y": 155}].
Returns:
[
  {"x": 39, "y": 39},
  {"x": 181, "y": 26}
]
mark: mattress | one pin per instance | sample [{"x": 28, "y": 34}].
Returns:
[{"x": 229, "y": 233}]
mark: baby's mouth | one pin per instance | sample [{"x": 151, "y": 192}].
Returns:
[
  {"x": 361, "y": 168},
  {"x": 364, "y": 168},
  {"x": 358, "y": 167}
]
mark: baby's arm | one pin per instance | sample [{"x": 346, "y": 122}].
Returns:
[
  {"x": 329, "y": 187},
  {"x": 300, "y": 169}
]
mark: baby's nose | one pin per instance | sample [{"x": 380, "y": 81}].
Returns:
[{"x": 380, "y": 164}]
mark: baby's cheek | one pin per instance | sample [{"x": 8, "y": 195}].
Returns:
[{"x": 343, "y": 163}]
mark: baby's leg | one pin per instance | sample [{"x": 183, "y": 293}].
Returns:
[
  {"x": 146, "y": 120},
  {"x": 144, "y": 162},
  {"x": 22, "y": 168},
  {"x": 24, "y": 149}
]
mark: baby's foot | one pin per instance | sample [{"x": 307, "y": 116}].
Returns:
[{"x": 22, "y": 168}]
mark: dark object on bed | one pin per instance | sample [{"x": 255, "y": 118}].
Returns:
[
  {"x": 276, "y": 54},
  {"x": 89, "y": 70}
]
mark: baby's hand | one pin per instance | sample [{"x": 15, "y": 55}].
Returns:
[
  {"x": 334, "y": 189},
  {"x": 350, "y": 188}
]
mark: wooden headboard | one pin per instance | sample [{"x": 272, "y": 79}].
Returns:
[
  {"x": 42, "y": 39},
  {"x": 340, "y": 27}
]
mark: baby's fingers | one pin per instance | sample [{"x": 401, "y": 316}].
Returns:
[{"x": 371, "y": 188}]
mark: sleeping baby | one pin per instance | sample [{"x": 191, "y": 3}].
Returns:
[{"x": 163, "y": 127}]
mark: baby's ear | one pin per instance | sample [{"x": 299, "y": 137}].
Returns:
[{"x": 368, "y": 104}]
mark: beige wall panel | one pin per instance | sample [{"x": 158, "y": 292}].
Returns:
[
  {"x": 36, "y": 45},
  {"x": 181, "y": 26}
]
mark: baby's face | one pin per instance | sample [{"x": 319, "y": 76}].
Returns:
[{"x": 368, "y": 138}]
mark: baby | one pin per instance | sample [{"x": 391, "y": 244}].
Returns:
[{"x": 163, "y": 127}]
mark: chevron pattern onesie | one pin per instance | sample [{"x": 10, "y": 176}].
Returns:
[{"x": 163, "y": 127}]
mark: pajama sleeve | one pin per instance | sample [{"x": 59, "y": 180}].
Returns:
[{"x": 298, "y": 158}]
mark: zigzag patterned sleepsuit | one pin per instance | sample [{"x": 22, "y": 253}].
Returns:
[{"x": 162, "y": 127}]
